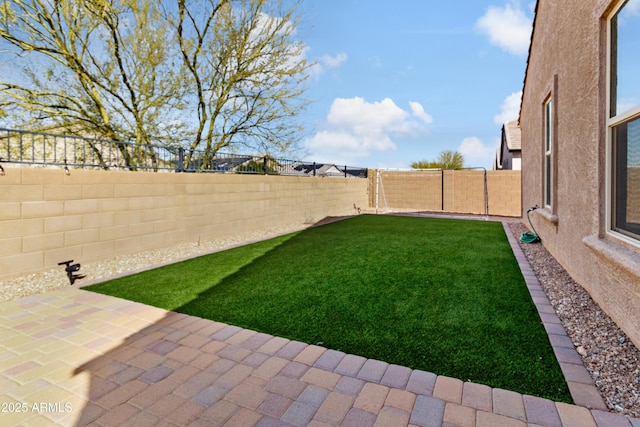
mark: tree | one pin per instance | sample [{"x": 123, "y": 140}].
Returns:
[
  {"x": 193, "y": 73},
  {"x": 89, "y": 68},
  {"x": 247, "y": 71},
  {"x": 446, "y": 160}
]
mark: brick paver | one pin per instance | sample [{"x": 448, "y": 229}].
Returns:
[
  {"x": 270, "y": 368},
  {"x": 219, "y": 413},
  {"x": 421, "y": 382},
  {"x": 427, "y": 412},
  {"x": 400, "y": 399},
  {"x": 321, "y": 378},
  {"x": 575, "y": 416},
  {"x": 390, "y": 416},
  {"x": 310, "y": 354},
  {"x": 349, "y": 385},
  {"x": 448, "y": 389},
  {"x": 487, "y": 419},
  {"x": 334, "y": 408},
  {"x": 288, "y": 350},
  {"x": 396, "y": 376},
  {"x": 373, "y": 370},
  {"x": 371, "y": 397},
  {"x": 459, "y": 415},
  {"x": 350, "y": 365},
  {"x": 247, "y": 396},
  {"x": 107, "y": 361},
  {"x": 477, "y": 396},
  {"x": 273, "y": 345},
  {"x": 509, "y": 404},
  {"x": 359, "y": 418},
  {"x": 541, "y": 411},
  {"x": 275, "y": 405},
  {"x": 294, "y": 370},
  {"x": 285, "y": 386},
  {"x": 329, "y": 360}
]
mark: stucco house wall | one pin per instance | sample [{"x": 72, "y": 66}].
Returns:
[
  {"x": 568, "y": 64},
  {"x": 509, "y": 155}
]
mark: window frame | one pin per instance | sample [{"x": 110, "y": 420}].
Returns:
[
  {"x": 612, "y": 124},
  {"x": 549, "y": 144}
]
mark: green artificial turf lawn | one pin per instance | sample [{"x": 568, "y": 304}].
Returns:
[{"x": 441, "y": 295}]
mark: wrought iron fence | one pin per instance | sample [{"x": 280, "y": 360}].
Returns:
[{"x": 47, "y": 149}]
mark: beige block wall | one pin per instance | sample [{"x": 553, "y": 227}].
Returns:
[
  {"x": 505, "y": 192},
  {"x": 420, "y": 190},
  {"x": 464, "y": 192},
  {"x": 47, "y": 217},
  {"x": 448, "y": 191}
]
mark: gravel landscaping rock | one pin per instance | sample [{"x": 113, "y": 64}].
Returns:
[
  {"x": 117, "y": 266},
  {"x": 610, "y": 357}
]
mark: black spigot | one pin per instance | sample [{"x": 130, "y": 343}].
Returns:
[{"x": 71, "y": 269}]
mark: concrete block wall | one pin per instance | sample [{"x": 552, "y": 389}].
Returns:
[
  {"x": 419, "y": 190},
  {"x": 505, "y": 192},
  {"x": 464, "y": 192},
  {"x": 460, "y": 191},
  {"x": 47, "y": 217}
]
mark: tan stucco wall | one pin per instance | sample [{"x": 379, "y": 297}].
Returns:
[
  {"x": 47, "y": 217},
  {"x": 447, "y": 191},
  {"x": 568, "y": 62}
]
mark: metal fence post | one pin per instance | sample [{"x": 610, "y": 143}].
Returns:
[
  {"x": 442, "y": 189},
  {"x": 486, "y": 195},
  {"x": 264, "y": 168},
  {"x": 180, "y": 160}
]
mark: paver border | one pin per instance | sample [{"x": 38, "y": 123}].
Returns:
[{"x": 581, "y": 386}]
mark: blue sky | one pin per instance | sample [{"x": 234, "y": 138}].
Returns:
[{"x": 400, "y": 82}]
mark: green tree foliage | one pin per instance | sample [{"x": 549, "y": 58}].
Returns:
[
  {"x": 195, "y": 73},
  {"x": 446, "y": 160}
]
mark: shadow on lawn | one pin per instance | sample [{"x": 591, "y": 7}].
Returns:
[{"x": 168, "y": 368}]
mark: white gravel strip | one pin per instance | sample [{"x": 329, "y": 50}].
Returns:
[
  {"x": 125, "y": 264},
  {"x": 610, "y": 357}
]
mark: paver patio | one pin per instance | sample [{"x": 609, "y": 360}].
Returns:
[{"x": 73, "y": 357}]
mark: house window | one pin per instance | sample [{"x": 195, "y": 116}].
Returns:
[
  {"x": 548, "y": 147},
  {"x": 624, "y": 121}
]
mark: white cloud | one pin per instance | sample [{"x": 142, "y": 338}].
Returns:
[
  {"x": 355, "y": 128},
  {"x": 507, "y": 27},
  {"x": 476, "y": 153},
  {"x": 626, "y": 104},
  {"x": 418, "y": 111},
  {"x": 510, "y": 109},
  {"x": 633, "y": 7},
  {"x": 327, "y": 62}
]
